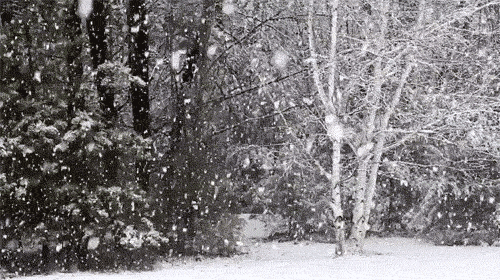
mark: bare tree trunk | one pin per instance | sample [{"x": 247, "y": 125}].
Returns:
[
  {"x": 369, "y": 164},
  {"x": 364, "y": 152},
  {"x": 377, "y": 152},
  {"x": 358, "y": 216},
  {"x": 334, "y": 128},
  {"x": 336, "y": 132}
]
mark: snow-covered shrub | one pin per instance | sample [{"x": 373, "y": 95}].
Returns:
[
  {"x": 467, "y": 217},
  {"x": 395, "y": 198},
  {"x": 68, "y": 184},
  {"x": 132, "y": 238},
  {"x": 218, "y": 236}
]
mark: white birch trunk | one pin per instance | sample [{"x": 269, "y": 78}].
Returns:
[
  {"x": 369, "y": 165},
  {"x": 365, "y": 158},
  {"x": 333, "y": 125}
]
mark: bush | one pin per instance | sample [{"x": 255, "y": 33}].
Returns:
[
  {"x": 88, "y": 228},
  {"x": 450, "y": 237},
  {"x": 218, "y": 237},
  {"x": 394, "y": 200},
  {"x": 195, "y": 201},
  {"x": 461, "y": 216}
]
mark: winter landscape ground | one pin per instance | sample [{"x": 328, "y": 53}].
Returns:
[{"x": 385, "y": 258}]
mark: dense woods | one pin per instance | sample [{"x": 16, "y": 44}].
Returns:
[{"x": 136, "y": 130}]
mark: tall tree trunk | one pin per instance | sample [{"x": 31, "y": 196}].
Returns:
[
  {"x": 210, "y": 11},
  {"x": 331, "y": 101},
  {"x": 139, "y": 90},
  {"x": 73, "y": 60},
  {"x": 188, "y": 121},
  {"x": 379, "y": 147},
  {"x": 364, "y": 152},
  {"x": 370, "y": 158},
  {"x": 96, "y": 26}
]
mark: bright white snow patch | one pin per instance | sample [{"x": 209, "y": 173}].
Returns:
[
  {"x": 37, "y": 76},
  {"x": 280, "y": 59},
  {"x": 84, "y": 8},
  {"x": 365, "y": 149},
  {"x": 334, "y": 129},
  {"x": 228, "y": 7},
  {"x": 308, "y": 101},
  {"x": 388, "y": 258},
  {"x": 134, "y": 29},
  {"x": 246, "y": 162},
  {"x": 93, "y": 243},
  {"x": 176, "y": 59},
  {"x": 212, "y": 50}
]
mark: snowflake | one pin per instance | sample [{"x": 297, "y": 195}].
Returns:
[{"x": 85, "y": 8}]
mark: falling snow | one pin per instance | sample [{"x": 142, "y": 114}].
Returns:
[
  {"x": 93, "y": 243},
  {"x": 214, "y": 129},
  {"x": 211, "y": 51},
  {"x": 228, "y": 7},
  {"x": 135, "y": 29},
  {"x": 37, "y": 76},
  {"x": 280, "y": 59},
  {"x": 84, "y": 8}
]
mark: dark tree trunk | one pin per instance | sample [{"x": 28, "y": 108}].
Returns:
[
  {"x": 17, "y": 20},
  {"x": 193, "y": 78},
  {"x": 96, "y": 25},
  {"x": 73, "y": 61},
  {"x": 179, "y": 121},
  {"x": 138, "y": 62},
  {"x": 45, "y": 257}
]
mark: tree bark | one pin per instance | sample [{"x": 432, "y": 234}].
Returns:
[
  {"x": 365, "y": 153},
  {"x": 330, "y": 101},
  {"x": 96, "y": 26},
  {"x": 369, "y": 164},
  {"x": 379, "y": 146},
  {"x": 73, "y": 61},
  {"x": 139, "y": 90},
  {"x": 98, "y": 39}
]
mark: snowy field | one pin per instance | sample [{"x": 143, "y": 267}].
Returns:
[{"x": 388, "y": 258}]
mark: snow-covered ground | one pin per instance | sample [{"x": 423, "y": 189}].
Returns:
[{"x": 387, "y": 258}]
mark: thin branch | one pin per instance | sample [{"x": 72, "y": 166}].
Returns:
[
  {"x": 332, "y": 87},
  {"x": 397, "y": 96},
  {"x": 462, "y": 13},
  {"x": 322, "y": 170},
  {"x": 253, "y": 119},
  {"x": 240, "y": 91},
  {"x": 314, "y": 61}
]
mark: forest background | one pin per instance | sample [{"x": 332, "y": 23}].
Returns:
[{"x": 137, "y": 129}]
